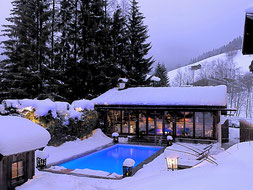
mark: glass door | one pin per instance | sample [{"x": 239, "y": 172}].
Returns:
[
  {"x": 169, "y": 123},
  {"x": 180, "y": 124}
]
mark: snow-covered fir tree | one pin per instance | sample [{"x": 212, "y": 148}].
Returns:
[
  {"x": 120, "y": 41},
  {"x": 26, "y": 48},
  {"x": 138, "y": 64},
  {"x": 161, "y": 72}
]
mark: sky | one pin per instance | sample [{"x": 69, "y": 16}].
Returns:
[{"x": 183, "y": 29}]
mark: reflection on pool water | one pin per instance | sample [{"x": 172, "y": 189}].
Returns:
[{"x": 111, "y": 159}]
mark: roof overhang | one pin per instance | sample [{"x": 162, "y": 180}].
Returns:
[
  {"x": 230, "y": 110},
  {"x": 161, "y": 107}
]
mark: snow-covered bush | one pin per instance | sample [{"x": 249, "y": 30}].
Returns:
[{"x": 61, "y": 119}]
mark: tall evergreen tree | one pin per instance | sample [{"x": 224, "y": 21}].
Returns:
[
  {"x": 18, "y": 77},
  {"x": 161, "y": 72},
  {"x": 120, "y": 41},
  {"x": 107, "y": 75},
  {"x": 26, "y": 49},
  {"x": 138, "y": 65}
]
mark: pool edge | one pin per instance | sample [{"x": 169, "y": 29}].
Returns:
[{"x": 135, "y": 169}]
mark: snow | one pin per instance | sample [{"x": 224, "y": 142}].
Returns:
[
  {"x": 115, "y": 134},
  {"x": 242, "y": 61},
  {"x": 72, "y": 148},
  {"x": 80, "y": 105},
  {"x": 91, "y": 172},
  {"x": 129, "y": 162},
  {"x": 125, "y": 80},
  {"x": 123, "y": 139},
  {"x": 168, "y": 96},
  {"x": 169, "y": 138},
  {"x": 43, "y": 107},
  {"x": 96, "y": 173},
  {"x": 42, "y": 154},
  {"x": 234, "y": 171},
  {"x": 249, "y": 10},
  {"x": 170, "y": 154},
  {"x": 20, "y": 135},
  {"x": 153, "y": 78}
]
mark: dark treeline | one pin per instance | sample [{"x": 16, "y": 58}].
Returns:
[
  {"x": 72, "y": 49},
  {"x": 235, "y": 44}
]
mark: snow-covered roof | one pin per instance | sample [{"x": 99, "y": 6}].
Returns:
[
  {"x": 20, "y": 135},
  {"x": 165, "y": 96},
  {"x": 123, "y": 80},
  {"x": 153, "y": 78},
  {"x": 249, "y": 10},
  {"x": 83, "y": 104}
]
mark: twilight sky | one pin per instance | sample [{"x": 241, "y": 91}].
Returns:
[{"x": 183, "y": 29}]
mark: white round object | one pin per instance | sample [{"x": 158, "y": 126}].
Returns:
[
  {"x": 115, "y": 134},
  {"x": 169, "y": 138},
  {"x": 129, "y": 162}
]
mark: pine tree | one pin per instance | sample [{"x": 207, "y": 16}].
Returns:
[
  {"x": 44, "y": 32},
  {"x": 108, "y": 72},
  {"x": 137, "y": 66},
  {"x": 19, "y": 79},
  {"x": 161, "y": 72},
  {"x": 120, "y": 41},
  {"x": 66, "y": 49}
]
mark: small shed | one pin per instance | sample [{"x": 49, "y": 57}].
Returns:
[{"x": 19, "y": 138}]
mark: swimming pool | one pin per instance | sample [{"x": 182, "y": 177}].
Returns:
[{"x": 111, "y": 159}]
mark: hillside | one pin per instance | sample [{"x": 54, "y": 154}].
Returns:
[{"x": 240, "y": 60}]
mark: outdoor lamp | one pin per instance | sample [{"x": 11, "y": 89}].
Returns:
[
  {"x": 171, "y": 160},
  {"x": 128, "y": 167},
  {"x": 41, "y": 159},
  {"x": 115, "y": 137},
  {"x": 169, "y": 140}
]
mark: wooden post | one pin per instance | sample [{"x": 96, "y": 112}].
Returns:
[{"x": 219, "y": 128}]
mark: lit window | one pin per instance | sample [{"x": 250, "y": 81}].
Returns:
[{"x": 17, "y": 169}]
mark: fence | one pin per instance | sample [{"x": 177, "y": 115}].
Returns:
[{"x": 246, "y": 131}]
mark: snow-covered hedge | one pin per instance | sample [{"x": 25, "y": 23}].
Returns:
[{"x": 64, "y": 121}]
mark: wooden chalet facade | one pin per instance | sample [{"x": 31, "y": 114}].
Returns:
[
  {"x": 19, "y": 138},
  {"x": 16, "y": 169},
  {"x": 183, "y": 120}
]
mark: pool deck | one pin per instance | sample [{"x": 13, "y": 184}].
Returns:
[{"x": 117, "y": 177}]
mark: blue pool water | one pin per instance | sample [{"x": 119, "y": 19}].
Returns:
[{"x": 111, "y": 159}]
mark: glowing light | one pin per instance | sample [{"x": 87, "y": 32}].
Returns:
[
  {"x": 172, "y": 163},
  {"x": 79, "y": 109}
]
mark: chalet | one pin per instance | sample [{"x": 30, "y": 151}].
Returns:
[
  {"x": 190, "y": 113},
  {"x": 19, "y": 138}
]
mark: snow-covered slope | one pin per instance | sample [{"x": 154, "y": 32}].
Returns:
[{"x": 242, "y": 61}]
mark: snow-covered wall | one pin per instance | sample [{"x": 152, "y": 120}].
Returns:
[
  {"x": 167, "y": 96},
  {"x": 20, "y": 135}
]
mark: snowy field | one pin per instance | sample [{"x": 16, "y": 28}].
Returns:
[
  {"x": 241, "y": 61},
  {"x": 234, "y": 171}
]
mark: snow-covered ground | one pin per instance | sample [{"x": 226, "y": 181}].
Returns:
[{"x": 234, "y": 171}]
